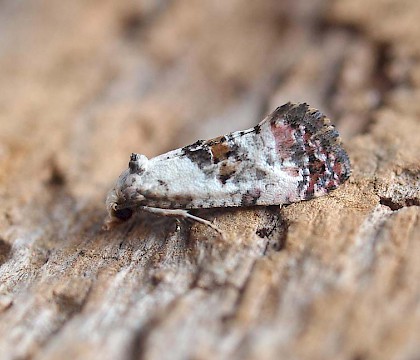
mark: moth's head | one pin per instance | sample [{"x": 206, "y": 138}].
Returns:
[{"x": 125, "y": 196}]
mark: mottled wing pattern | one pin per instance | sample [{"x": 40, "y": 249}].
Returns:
[
  {"x": 293, "y": 154},
  {"x": 304, "y": 137}
]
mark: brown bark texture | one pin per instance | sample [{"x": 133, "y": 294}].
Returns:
[{"x": 85, "y": 83}]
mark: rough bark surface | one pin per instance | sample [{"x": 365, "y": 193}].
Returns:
[{"x": 85, "y": 83}]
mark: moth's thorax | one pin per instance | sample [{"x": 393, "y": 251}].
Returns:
[{"x": 128, "y": 188}]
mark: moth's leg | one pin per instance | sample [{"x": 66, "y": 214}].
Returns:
[{"x": 179, "y": 213}]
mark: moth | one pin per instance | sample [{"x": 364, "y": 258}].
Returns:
[{"x": 294, "y": 154}]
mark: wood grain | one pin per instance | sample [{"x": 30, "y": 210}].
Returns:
[{"x": 84, "y": 84}]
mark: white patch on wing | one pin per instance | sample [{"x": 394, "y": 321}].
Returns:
[{"x": 186, "y": 179}]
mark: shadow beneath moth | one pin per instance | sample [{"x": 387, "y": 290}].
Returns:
[{"x": 294, "y": 154}]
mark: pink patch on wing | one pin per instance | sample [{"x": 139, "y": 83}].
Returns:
[
  {"x": 337, "y": 168},
  {"x": 292, "y": 171},
  {"x": 284, "y": 138}
]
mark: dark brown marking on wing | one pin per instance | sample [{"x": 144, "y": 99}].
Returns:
[
  {"x": 226, "y": 171},
  {"x": 220, "y": 151},
  {"x": 250, "y": 197},
  {"x": 164, "y": 185},
  {"x": 198, "y": 154},
  {"x": 260, "y": 174},
  {"x": 215, "y": 140}
]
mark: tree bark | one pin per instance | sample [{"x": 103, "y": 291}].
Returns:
[{"x": 84, "y": 84}]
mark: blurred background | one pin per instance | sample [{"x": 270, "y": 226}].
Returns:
[{"x": 84, "y": 83}]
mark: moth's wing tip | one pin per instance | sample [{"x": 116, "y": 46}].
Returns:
[
  {"x": 279, "y": 111},
  {"x": 344, "y": 159},
  {"x": 318, "y": 139}
]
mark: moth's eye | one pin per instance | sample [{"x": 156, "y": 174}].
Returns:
[{"x": 123, "y": 214}]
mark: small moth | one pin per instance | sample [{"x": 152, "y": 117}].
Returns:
[{"x": 294, "y": 154}]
